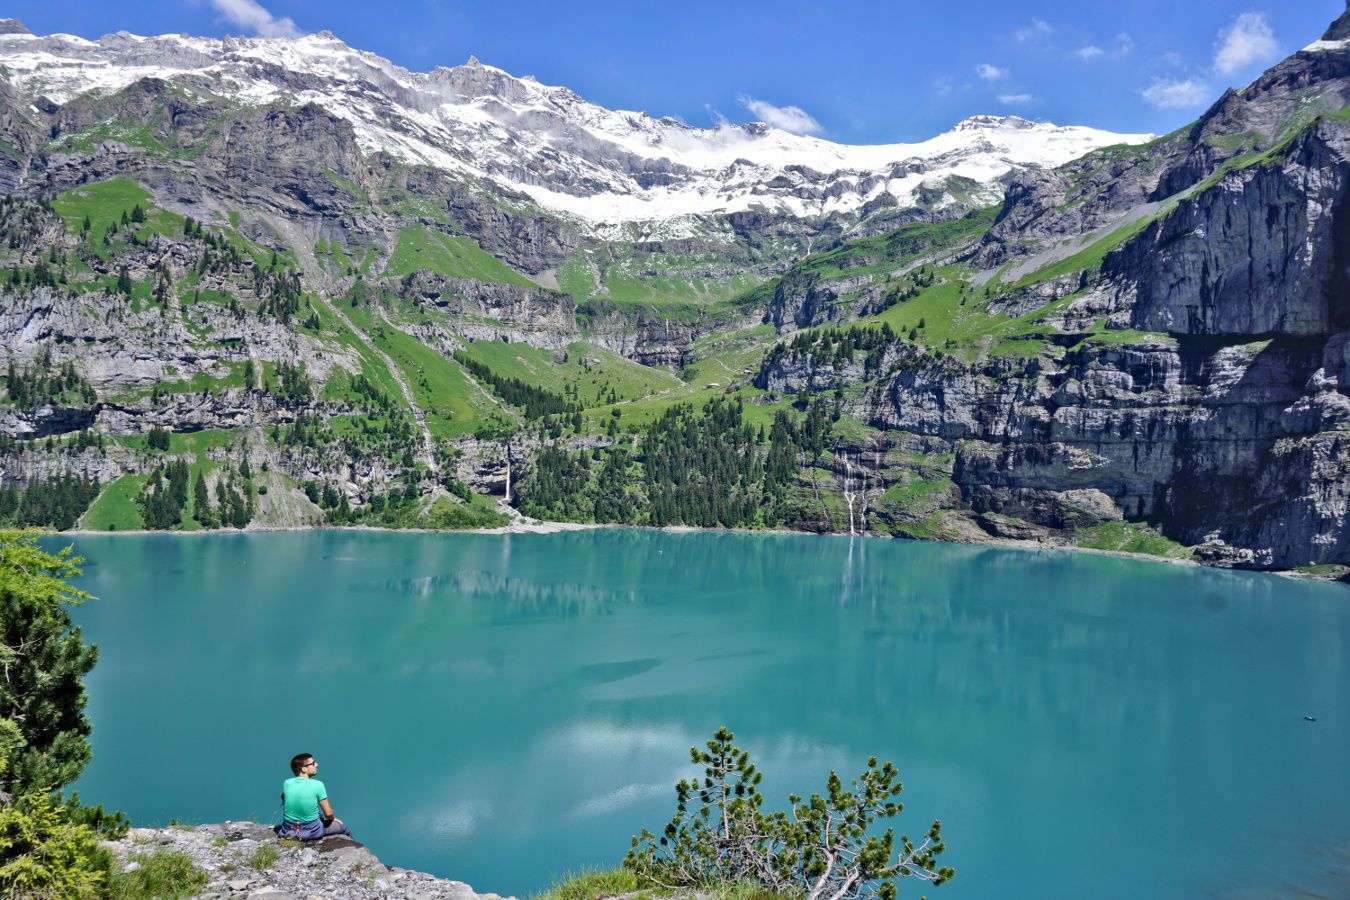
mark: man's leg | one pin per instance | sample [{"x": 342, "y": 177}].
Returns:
[{"x": 335, "y": 827}]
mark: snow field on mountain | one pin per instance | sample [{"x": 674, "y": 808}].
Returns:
[{"x": 604, "y": 167}]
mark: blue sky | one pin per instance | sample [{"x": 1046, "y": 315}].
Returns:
[{"x": 857, "y": 71}]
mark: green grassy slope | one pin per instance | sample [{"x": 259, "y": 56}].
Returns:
[{"x": 454, "y": 255}]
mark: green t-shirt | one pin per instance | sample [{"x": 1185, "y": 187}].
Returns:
[{"x": 302, "y": 796}]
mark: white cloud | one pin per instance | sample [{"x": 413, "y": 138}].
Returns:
[
  {"x": 1015, "y": 99},
  {"x": 1122, "y": 46},
  {"x": 1172, "y": 94},
  {"x": 250, "y": 15},
  {"x": 1247, "y": 40},
  {"x": 1037, "y": 29},
  {"x": 990, "y": 73},
  {"x": 792, "y": 119}
]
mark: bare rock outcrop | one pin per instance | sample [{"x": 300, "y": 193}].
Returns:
[{"x": 245, "y": 861}]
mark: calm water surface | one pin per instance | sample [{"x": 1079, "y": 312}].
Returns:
[{"x": 503, "y": 709}]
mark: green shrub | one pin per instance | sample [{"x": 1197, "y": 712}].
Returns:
[
  {"x": 109, "y": 824},
  {"x": 162, "y": 875},
  {"x": 45, "y": 856}
]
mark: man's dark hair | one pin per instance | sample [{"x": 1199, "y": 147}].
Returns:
[{"x": 298, "y": 762}]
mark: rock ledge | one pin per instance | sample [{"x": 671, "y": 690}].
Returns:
[{"x": 333, "y": 868}]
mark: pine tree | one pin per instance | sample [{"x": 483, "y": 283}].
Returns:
[
  {"x": 202, "y": 502},
  {"x": 827, "y": 848},
  {"x": 45, "y": 659}
]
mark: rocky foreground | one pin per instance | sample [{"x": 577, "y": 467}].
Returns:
[{"x": 239, "y": 861}]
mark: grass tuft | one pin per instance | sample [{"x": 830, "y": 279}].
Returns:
[
  {"x": 591, "y": 884},
  {"x": 265, "y": 857},
  {"x": 162, "y": 875}
]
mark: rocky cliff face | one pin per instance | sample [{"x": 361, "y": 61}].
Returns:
[
  {"x": 1117, "y": 184},
  {"x": 1224, "y": 445}
]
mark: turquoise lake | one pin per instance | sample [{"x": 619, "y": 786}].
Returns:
[{"x": 505, "y": 709}]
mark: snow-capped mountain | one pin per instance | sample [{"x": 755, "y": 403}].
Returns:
[{"x": 601, "y": 166}]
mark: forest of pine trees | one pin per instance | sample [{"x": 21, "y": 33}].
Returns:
[
  {"x": 704, "y": 467},
  {"x": 57, "y": 503}
]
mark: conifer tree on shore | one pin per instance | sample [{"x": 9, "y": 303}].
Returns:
[{"x": 45, "y": 659}]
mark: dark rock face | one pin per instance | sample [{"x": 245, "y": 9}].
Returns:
[
  {"x": 1339, "y": 30},
  {"x": 20, "y": 139},
  {"x": 1263, "y": 252},
  {"x": 47, "y": 420}
]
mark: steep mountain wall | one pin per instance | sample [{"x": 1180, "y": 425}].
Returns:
[{"x": 1230, "y": 427}]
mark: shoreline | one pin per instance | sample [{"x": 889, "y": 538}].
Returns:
[{"x": 523, "y": 525}]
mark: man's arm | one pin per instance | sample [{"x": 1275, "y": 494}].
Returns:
[{"x": 327, "y": 809}]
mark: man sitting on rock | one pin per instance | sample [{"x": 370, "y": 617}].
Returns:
[{"x": 302, "y": 799}]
